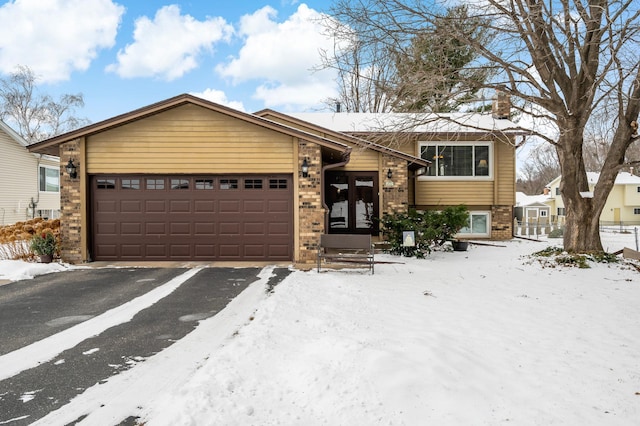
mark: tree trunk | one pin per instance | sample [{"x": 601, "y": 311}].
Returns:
[{"x": 582, "y": 228}]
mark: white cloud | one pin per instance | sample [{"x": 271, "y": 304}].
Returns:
[
  {"x": 169, "y": 45},
  {"x": 282, "y": 56},
  {"x": 219, "y": 97},
  {"x": 56, "y": 37}
]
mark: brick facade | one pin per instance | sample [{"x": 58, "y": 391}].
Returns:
[
  {"x": 501, "y": 222},
  {"x": 70, "y": 205},
  {"x": 310, "y": 209},
  {"x": 395, "y": 195}
]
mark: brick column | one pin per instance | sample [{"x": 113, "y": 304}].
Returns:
[
  {"x": 70, "y": 205},
  {"x": 395, "y": 195},
  {"x": 501, "y": 222},
  {"x": 311, "y": 212}
]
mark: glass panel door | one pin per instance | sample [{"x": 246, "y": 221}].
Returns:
[
  {"x": 337, "y": 196},
  {"x": 364, "y": 211},
  {"x": 352, "y": 198}
]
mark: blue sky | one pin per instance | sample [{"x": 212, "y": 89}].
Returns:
[{"x": 125, "y": 54}]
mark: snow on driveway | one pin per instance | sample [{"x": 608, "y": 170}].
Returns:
[
  {"x": 481, "y": 337},
  {"x": 46, "y": 349}
]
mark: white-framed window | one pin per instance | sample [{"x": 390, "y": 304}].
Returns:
[
  {"x": 636, "y": 210},
  {"x": 479, "y": 225},
  {"x": 561, "y": 211},
  {"x": 48, "y": 213},
  {"x": 543, "y": 213},
  {"x": 49, "y": 179},
  {"x": 459, "y": 161}
]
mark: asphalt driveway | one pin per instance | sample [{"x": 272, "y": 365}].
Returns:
[{"x": 36, "y": 309}]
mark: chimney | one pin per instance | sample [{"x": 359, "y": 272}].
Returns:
[
  {"x": 338, "y": 107},
  {"x": 501, "y": 106},
  {"x": 546, "y": 191}
]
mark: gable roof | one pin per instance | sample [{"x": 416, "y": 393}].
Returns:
[
  {"x": 13, "y": 134},
  {"x": 414, "y": 162},
  {"x": 524, "y": 200},
  {"x": 451, "y": 123},
  {"x": 50, "y": 146},
  {"x": 623, "y": 178}
]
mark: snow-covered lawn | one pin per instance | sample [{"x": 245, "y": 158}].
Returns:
[{"x": 482, "y": 337}]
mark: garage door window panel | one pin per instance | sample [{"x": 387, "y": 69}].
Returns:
[
  {"x": 130, "y": 184},
  {"x": 179, "y": 183},
  {"x": 204, "y": 184},
  {"x": 155, "y": 184},
  {"x": 228, "y": 184},
  {"x": 106, "y": 184},
  {"x": 253, "y": 184},
  {"x": 278, "y": 184}
]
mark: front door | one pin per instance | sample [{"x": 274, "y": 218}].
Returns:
[{"x": 352, "y": 198}]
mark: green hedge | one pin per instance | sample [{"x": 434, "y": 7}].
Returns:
[{"x": 430, "y": 228}]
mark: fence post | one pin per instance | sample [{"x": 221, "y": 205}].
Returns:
[{"x": 635, "y": 231}]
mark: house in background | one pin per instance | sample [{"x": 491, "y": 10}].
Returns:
[
  {"x": 188, "y": 179},
  {"x": 623, "y": 203},
  {"x": 29, "y": 182},
  {"x": 532, "y": 208}
]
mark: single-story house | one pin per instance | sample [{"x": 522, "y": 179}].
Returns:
[
  {"x": 623, "y": 203},
  {"x": 29, "y": 182},
  {"x": 188, "y": 179},
  {"x": 532, "y": 208}
]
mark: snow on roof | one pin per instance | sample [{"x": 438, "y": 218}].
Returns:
[
  {"x": 407, "y": 122},
  {"x": 623, "y": 178},
  {"x": 523, "y": 199}
]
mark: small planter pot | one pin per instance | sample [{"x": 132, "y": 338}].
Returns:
[
  {"x": 460, "y": 245},
  {"x": 46, "y": 258}
]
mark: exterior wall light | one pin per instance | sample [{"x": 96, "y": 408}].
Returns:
[
  {"x": 389, "y": 174},
  {"x": 72, "y": 170},
  {"x": 305, "y": 168}
]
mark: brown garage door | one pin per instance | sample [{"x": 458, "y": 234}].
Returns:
[{"x": 192, "y": 217}]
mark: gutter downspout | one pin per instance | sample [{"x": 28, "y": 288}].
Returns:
[
  {"x": 33, "y": 204},
  {"x": 346, "y": 156}
]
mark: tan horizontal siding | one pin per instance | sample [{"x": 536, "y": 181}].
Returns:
[
  {"x": 363, "y": 160},
  {"x": 506, "y": 174},
  {"x": 190, "y": 139},
  {"x": 435, "y": 192}
]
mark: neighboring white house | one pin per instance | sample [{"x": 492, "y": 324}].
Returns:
[
  {"x": 29, "y": 183},
  {"x": 622, "y": 206}
]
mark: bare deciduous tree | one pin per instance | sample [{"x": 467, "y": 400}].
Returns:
[
  {"x": 36, "y": 116},
  {"x": 365, "y": 70},
  {"x": 572, "y": 59},
  {"x": 538, "y": 169}
]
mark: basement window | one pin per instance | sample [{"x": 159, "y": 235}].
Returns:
[{"x": 479, "y": 225}]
